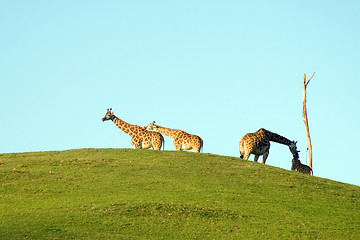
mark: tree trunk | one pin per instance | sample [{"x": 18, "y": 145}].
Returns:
[{"x": 306, "y": 118}]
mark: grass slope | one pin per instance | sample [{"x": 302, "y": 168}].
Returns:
[{"x": 146, "y": 194}]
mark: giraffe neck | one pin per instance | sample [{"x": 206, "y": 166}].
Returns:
[
  {"x": 274, "y": 137},
  {"x": 124, "y": 126},
  {"x": 168, "y": 131}
]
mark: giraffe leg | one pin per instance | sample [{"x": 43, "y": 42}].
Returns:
[
  {"x": 155, "y": 142},
  {"x": 136, "y": 143},
  {"x": 196, "y": 146},
  {"x": 246, "y": 156},
  {"x": 266, "y": 154},
  {"x": 177, "y": 145},
  {"x": 196, "y": 149},
  {"x": 156, "y": 145}
]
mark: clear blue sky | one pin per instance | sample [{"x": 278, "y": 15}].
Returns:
[{"x": 217, "y": 69}]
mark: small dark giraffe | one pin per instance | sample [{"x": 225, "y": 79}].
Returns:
[
  {"x": 258, "y": 143},
  {"x": 299, "y": 167}
]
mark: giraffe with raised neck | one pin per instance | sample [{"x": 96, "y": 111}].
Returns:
[
  {"x": 182, "y": 139},
  {"x": 258, "y": 143},
  {"x": 140, "y": 137}
]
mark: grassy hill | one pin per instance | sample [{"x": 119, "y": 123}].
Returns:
[{"x": 146, "y": 194}]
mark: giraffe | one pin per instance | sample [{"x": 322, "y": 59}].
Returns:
[
  {"x": 258, "y": 143},
  {"x": 299, "y": 167},
  {"x": 182, "y": 139},
  {"x": 140, "y": 137}
]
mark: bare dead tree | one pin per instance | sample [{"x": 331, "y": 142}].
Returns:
[{"x": 305, "y": 84}]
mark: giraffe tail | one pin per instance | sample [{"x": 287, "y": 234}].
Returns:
[
  {"x": 162, "y": 142},
  {"x": 201, "y": 145}
]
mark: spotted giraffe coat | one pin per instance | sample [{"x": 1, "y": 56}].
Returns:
[
  {"x": 258, "y": 143},
  {"x": 182, "y": 139}
]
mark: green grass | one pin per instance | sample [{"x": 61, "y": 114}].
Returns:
[{"x": 146, "y": 194}]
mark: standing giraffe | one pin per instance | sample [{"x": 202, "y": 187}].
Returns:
[
  {"x": 182, "y": 139},
  {"x": 140, "y": 138},
  {"x": 258, "y": 143}
]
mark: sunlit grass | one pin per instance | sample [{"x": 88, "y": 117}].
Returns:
[{"x": 146, "y": 194}]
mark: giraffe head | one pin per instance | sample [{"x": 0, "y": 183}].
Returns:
[
  {"x": 151, "y": 126},
  {"x": 293, "y": 149},
  {"x": 109, "y": 115}
]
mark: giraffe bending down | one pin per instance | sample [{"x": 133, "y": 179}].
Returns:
[
  {"x": 182, "y": 139},
  {"x": 140, "y": 137},
  {"x": 258, "y": 143}
]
